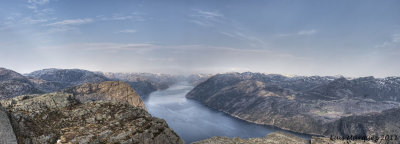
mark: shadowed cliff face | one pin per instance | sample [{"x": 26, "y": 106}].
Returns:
[
  {"x": 60, "y": 117},
  {"x": 110, "y": 91},
  {"x": 312, "y": 105},
  {"x": 13, "y": 84}
]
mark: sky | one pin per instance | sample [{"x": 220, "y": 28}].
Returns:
[{"x": 309, "y": 37}]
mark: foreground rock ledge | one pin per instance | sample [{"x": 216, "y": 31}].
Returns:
[
  {"x": 107, "y": 91},
  {"x": 60, "y": 118},
  {"x": 7, "y": 135}
]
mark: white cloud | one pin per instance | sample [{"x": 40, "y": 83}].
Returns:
[
  {"x": 39, "y": 2},
  {"x": 201, "y": 23},
  {"x": 206, "y": 18},
  {"x": 391, "y": 46},
  {"x": 165, "y": 58},
  {"x": 131, "y": 16},
  {"x": 127, "y": 31},
  {"x": 37, "y": 7},
  {"x": 71, "y": 22},
  {"x": 254, "y": 41},
  {"x": 62, "y": 29},
  {"x": 208, "y": 14},
  {"x": 396, "y": 38},
  {"x": 307, "y": 32},
  {"x": 299, "y": 33},
  {"x": 114, "y": 47},
  {"x": 29, "y": 20}
]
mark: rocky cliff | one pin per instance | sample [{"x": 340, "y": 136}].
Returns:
[
  {"x": 313, "y": 105},
  {"x": 7, "y": 135},
  {"x": 144, "y": 83},
  {"x": 109, "y": 91},
  {"x": 14, "y": 84},
  {"x": 61, "y": 118}
]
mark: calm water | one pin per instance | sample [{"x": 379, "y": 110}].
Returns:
[{"x": 193, "y": 122}]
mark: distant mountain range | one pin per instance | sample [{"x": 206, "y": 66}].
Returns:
[
  {"x": 313, "y": 105},
  {"x": 51, "y": 80},
  {"x": 145, "y": 83},
  {"x": 14, "y": 84}
]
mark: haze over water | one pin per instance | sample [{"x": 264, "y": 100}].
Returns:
[{"x": 193, "y": 122}]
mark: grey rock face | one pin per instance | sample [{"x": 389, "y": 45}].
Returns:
[
  {"x": 7, "y": 135},
  {"x": 143, "y": 87},
  {"x": 312, "y": 105},
  {"x": 107, "y": 91},
  {"x": 271, "y": 138},
  {"x": 60, "y": 118},
  {"x": 13, "y": 84}
]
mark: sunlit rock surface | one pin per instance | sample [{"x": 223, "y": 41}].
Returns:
[
  {"x": 110, "y": 91},
  {"x": 61, "y": 118}
]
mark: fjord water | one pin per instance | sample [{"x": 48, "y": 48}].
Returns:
[{"x": 193, "y": 121}]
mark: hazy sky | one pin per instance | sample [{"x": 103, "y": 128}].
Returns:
[{"x": 308, "y": 37}]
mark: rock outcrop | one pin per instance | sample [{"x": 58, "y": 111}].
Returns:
[
  {"x": 108, "y": 91},
  {"x": 271, "y": 138},
  {"x": 61, "y": 118},
  {"x": 313, "y": 105},
  {"x": 7, "y": 135},
  {"x": 13, "y": 84}
]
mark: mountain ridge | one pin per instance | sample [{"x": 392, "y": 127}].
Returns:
[
  {"x": 301, "y": 104},
  {"x": 14, "y": 84}
]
